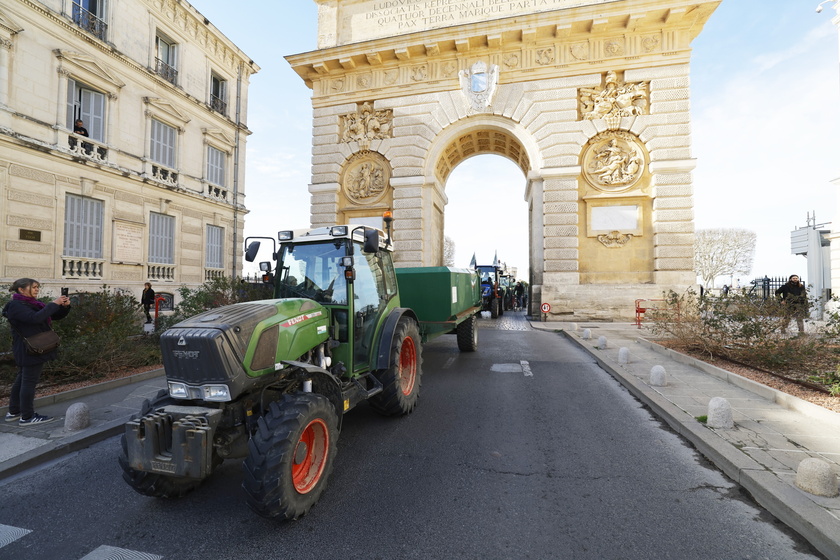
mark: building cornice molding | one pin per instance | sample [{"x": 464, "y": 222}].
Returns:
[{"x": 526, "y": 48}]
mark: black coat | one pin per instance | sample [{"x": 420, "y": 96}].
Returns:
[
  {"x": 27, "y": 320},
  {"x": 148, "y": 297}
]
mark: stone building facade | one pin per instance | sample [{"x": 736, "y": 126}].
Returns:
[
  {"x": 589, "y": 98},
  {"x": 154, "y": 191}
]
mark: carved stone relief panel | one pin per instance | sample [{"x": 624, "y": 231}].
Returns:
[
  {"x": 614, "y": 162},
  {"x": 616, "y": 99},
  {"x": 366, "y": 124},
  {"x": 366, "y": 177}
]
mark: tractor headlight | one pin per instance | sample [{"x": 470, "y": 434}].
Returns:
[
  {"x": 218, "y": 393},
  {"x": 178, "y": 390}
]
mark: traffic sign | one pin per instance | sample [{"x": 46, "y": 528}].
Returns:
[{"x": 545, "y": 308}]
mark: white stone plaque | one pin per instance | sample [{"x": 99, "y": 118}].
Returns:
[
  {"x": 615, "y": 218},
  {"x": 352, "y": 21},
  {"x": 127, "y": 243}
]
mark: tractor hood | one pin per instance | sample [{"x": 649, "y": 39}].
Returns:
[{"x": 233, "y": 344}]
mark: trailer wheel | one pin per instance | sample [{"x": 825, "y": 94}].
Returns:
[
  {"x": 494, "y": 309},
  {"x": 291, "y": 456},
  {"x": 401, "y": 381},
  {"x": 468, "y": 335}
]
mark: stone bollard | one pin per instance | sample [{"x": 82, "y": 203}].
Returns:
[
  {"x": 720, "y": 414},
  {"x": 602, "y": 342},
  {"x": 815, "y": 477},
  {"x": 574, "y": 326},
  {"x": 623, "y": 355},
  {"x": 587, "y": 334},
  {"x": 658, "y": 377},
  {"x": 77, "y": 417}
]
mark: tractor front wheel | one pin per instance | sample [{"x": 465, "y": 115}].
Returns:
[
  {"x": 291, "y": 456},
  {"x": 401, "y": 381},
  {"x": 494, "y": 309}
]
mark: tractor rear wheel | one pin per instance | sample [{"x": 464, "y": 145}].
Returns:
[
  {"x": 401, "y": 381},
  {"x": 468, "y": 335},
  {"x": 291, "y": 456},
  {"x": 494, "y": 309}
]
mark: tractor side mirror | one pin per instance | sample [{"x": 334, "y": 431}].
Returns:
[
  {"x": 251, "y": 251},
  {"x": 371, "y": 241}
]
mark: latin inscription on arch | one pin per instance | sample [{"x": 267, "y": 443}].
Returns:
[{"x": 374, "y": 19}]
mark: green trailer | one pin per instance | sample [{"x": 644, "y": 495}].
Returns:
[{"x": 445, "y": 300}]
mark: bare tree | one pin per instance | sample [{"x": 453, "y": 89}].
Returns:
[
  {"x": 448, "y": 251},
  {"x": 723, "y": 252}
]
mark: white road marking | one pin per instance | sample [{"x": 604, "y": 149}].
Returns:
[
  {"x": 449, "y": 362},
  {"x": 526, "y": 369},
  {"x": 9, "y": 534}
]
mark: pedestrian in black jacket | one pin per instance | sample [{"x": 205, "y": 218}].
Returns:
[
  {"x": 28, "y": 316},
  {"x": 147, "y": 300},
  {"x": 795, "y": 303}
]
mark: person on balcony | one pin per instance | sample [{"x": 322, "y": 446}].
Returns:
[{"x": 79, "y": 128}]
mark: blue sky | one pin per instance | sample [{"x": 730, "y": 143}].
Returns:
[{"x": 765, "y": 115}]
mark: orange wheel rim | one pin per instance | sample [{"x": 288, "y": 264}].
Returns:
[
  {"x": 310, "y": 456},
  {"x": 408, "y": 365}
]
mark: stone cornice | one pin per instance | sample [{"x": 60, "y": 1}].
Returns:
[
  {"x": 538, "y": 46},
  {"x": 213, "y": 42}
]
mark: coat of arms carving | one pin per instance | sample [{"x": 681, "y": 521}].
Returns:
[
  {"x": 614, "y": 161},
  {"x": 478, "y": 84}
]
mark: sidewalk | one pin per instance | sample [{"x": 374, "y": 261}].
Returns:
[
  {"x": 773, "y": 431},
  {"x": 111, "y": 405}
]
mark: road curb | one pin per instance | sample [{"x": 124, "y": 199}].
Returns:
[
  {"x": 783, "y": 500},
  {"x": 61, "y": 447}
]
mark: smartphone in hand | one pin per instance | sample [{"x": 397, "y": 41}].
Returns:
[{"x": 65, "y": 291}]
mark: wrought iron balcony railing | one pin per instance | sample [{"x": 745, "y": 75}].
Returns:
[
  {"x": 218, "y": 105},
  {"x": 89, "y": 22},
  {"x": 166, "y": 71}
]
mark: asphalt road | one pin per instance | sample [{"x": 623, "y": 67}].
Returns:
[{"x": 524, "y": 449}]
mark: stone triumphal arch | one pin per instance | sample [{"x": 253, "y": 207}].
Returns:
[{"x": 590, "y": 98}]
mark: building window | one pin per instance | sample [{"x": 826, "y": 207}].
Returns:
[
  {"x": 165, "y": 51},
  {"x": 213, "y": 252},
  {"x": 216, "y": 166},
  {"x": 218, "y": 94},
  {"x": 82, "y": 227},
  {"x": 161, "y": 238},
  {"x": 162, "y": 148},
  {"x": 87, "y": 105},
  {"x": 90, "y": 16}
]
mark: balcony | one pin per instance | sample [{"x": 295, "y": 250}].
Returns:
[
  {"x": 218, "y": 105},
  {"x": 84, "y": 147},
  {"x": 218, "y": 193},
  {"x": 213, "y": 273},
  {"x": 89, "y": 22},
  {"x": 166, "y": 176},
  {"x": 161, "y": 272},
  {"x": 77, "y": 267},
  {"x": 166, "y": 71}
]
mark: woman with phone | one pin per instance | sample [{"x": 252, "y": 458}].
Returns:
[{"x": 29, "y": 316}]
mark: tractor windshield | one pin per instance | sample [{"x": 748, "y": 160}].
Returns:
[{"x": 313, "y": 271}]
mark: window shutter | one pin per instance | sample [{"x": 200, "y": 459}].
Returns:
[
  {"x": 71, "y": 102},
  {"x": 215, "y": 166},
  {"x": 83, "y": 227},
  {"x": 93, "y": 113},
  {"x": 162, "y": 144},
  {"x": 214, "y": 247},
  {"x": 161, "y": 238}
]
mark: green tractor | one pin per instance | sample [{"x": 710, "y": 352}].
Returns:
[{"x": 270, "y": 381}]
